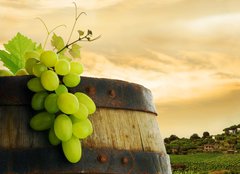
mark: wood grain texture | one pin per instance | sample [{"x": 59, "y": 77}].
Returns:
[
  {"x": 123, "y": 129},
  {"x": 113, "y": 128}
]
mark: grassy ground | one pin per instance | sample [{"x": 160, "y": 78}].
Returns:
[{"x": 205, "y": 162}]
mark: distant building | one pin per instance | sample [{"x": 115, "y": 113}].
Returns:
[
  {"x": 208, "y": 148},
  {"x": 211, "y": 147}
]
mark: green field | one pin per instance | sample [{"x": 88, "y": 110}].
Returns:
[{"x": 205, "y": 162}]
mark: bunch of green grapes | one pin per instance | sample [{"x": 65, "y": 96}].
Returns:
[{"x": 64, "y": 114}]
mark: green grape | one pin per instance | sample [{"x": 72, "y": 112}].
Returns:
[
  {"x": 62, "y": 67},
  {"x": 82, "y": 129},
  {"x": 61, "y": 89},
  {"x": 63, "y": 127},
  {"x": 74, "y": 119},
  {"x": 49, "y": 58},
  {"x": 4, "y": 73},
  {"x": 62, "y": 56},
  {"x": 68, "y": 103},
  {"x": 82, "y": 112},
  {"x": 35, "y": 85},
  {"x": 32, "y": 54},
  {"x": 38, "y": 68},
  {"x": 38, "y": 100},
  {"x": 72, "y": 149},
  {"x": 76, "y": 67},
  {"x": 53, "y": 139},
  {"x": 50, "y": 103},
  {"x": 49, "y": 80},
  {"x": 71, "y": 79},
  {"x": 21, "y": 72},
  {"x": 29, "y": 64},
  {"x": 87, "y": 101},
  {"x": 42, "y": 121}
]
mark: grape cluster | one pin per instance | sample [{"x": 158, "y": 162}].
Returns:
[{"x": 64, "y": 114}]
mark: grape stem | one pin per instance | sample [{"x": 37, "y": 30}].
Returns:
[
  {"x": 48, "y": 32},
  {"x": 87, "y": 37},
  {"x": 75, "y": 21}
]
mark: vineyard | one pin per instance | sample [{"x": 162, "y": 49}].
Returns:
[{"x": 205, "y": 162}]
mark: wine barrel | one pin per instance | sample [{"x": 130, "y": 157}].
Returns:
[{"x": 126, "y": 137}]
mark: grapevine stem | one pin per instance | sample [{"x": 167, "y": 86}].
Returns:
[
  {"x": 75, "y": 21},
  {"x": 85, "y": 38},
  {"x": 49, "y": 32}
]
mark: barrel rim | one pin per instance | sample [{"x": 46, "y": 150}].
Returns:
[{"x": 105, "y": 92}]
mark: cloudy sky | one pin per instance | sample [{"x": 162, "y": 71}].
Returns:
[{"x": 187, "y": 52}]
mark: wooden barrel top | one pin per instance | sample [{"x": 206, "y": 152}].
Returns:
[{"x": 106, "y": 93}]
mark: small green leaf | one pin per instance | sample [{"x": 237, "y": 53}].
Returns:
[
  {"x": 80, "y": 32},
  {"x": 13, "y": 58},
  {"x": 9, "y": 61},
  {"x": 57, "y": 42},
  {"x": 39, "y": 48},
  {"x": 89, "y": 32},
  {"x": 75, "y": 51}
]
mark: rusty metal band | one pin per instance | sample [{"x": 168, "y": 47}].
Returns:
[
  {"x": 105, "y": 161},
  {"x": 106, "y": 93}
]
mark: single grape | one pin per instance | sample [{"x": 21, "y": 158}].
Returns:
[
  {"x": 29, "y": 64},
  {"x": 38, "y": 68},
  {"x": 62, "y": 56},
  {"x": 72, "y": 149},
  {"x": 21, "y": 72},
  {"x": 53, "y": 139},
  {"x": 32, "y": 54},
  {"x": 49, "y": 80},
  {"x": 4, "y": 73},
  {"x": 87, "y": 101},
  {"x": 82, "y": 112},
  {"x": 42, "y": 121},
  {"x": 74, "y": 119},
  {"x": 63, "y": 127},
  {"x": 82, "y": 129},
  {"x": 35, "y": 85},
  {"x": 68, "y": 103},
  {"x": 71, "y": 79},
  {"x": 38, "y": 100},
  {"x": 50, "y": 103},
  {"x": 61, "y": 89},
  {"x": 49, "y": 58},
  {"x": 62, "y": 67},
  {"x": 76, "y": 67}
]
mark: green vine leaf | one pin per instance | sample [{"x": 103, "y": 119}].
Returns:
[
  {"x": 9, "y": 61},
  {"x": 89, "y": 32},
  {"x": 13, "y": 57},
  {"x": 75, "y": 51},
  {"x": 57, "y": 42},
  {"x": 81, "y": 33}
]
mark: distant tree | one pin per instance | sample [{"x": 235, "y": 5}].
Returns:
[
  {"x": 238, "y": 128},
  {"x": 233, "y": 129},
  {"x": 226, "y": 130},
  {"x": 166, "y": 140},
  {"x": 232, "y": 140},
  {"x": 208, "y": 141},
  {"x": 219, "y": 137},
  {"x": 238, "y": 146},
  {"x": 206, "y": 134},
  {"x": 172, "y": 138},
  {"x": 194, "y": 137}
]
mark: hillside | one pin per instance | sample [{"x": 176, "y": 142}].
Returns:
[{"x": 226, "y": 142}]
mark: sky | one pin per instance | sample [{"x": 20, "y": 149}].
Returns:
[{"x": 187, "y": 52}]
